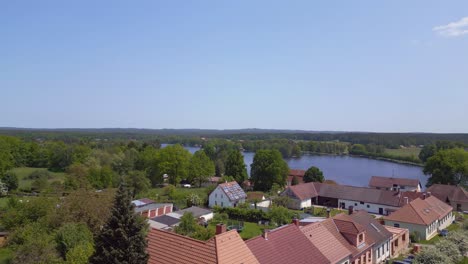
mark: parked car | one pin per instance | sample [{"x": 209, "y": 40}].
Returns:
[
  {"x": 444, "y": 232},
  {"x": 187, "y": 185},
  {"x": 400, "y": 262}
]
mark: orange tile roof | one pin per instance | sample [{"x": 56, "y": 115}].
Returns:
[
  {"x": 326, "y": 237},
  {"x": 166, "y": 247},
  {"x": 302, "y": 191},
  {"x": 421, "y": 212},
  {"x": 286, "y": 244}
]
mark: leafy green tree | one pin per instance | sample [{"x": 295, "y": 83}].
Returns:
[
  {"x": 427, "y": 151},
  {"x": 460, "y": 238},
  {"x": 123, "y": 237},
  {"x": 279, "y": 215},
  {"x": 77, "y": 177},
  {"x": 60, "y": 156},
  {"x": 11, "y": 180},
  {"x": 201, "y": 168},
  {"x": 80, "y": 253},
  {"x": 137, "y": 182},
  {"x": 358, "y": 149},
  {"x": 268, "y": 168},
  {"x": 6, "y": 158},
  {"x": 71, "y": 235},
  {"x": 295, "y": 180},
  {"x": 187, "y": 226},
  {"x": 235, "y": 166},
  {"x": 172, "y": 160},
  {"x": 449, "y": 249},
  {"x": 448, "y": 166},
  {"x": 37, "y": 249},
  {"x": 314, "y": 174}
]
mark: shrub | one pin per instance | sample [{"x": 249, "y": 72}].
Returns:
[
  {"x": 415, "y": 237},
  {"x": 39, "y": 174}
]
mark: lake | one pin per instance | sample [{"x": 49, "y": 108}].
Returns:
[{"x": 346, "y": 170}]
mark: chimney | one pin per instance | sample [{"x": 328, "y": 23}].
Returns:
[
  {"x": 424, "y": 196},
  {"x": 350, "y": 209},
  {"x": 265, "y": 234},
  {"x": 220, "y": 228},
  {"x": 295, "y": 221},
  {"x": 406, "y": 200},
  {"x": 428, "y": 194},
  {"x": 328, "y": 212}
]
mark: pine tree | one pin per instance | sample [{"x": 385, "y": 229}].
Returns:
[{"x": 122, "y": 240}]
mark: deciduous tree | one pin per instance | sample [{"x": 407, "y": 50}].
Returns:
[
  {"x": 314, "y": 174},
  {"x": 235, "y": 166},
  {"x": 268, "y": 168},
  {"x": 448, "y": 166},
  {"x": 201, "y": 168}
]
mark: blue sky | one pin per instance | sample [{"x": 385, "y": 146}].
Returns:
[{"x": 393, "y": 66}]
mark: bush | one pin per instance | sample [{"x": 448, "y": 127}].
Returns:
[
  {"x": 244, "y": 214},
  {"x": 415, "y": 237}
]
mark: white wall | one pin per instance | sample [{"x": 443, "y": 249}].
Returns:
[
  {"x": 219, "y": 198},
  {"x": 369, "y": 207},
  {"x": 384, "y": 249}
]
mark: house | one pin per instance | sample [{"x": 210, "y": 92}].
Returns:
[
  {"x": 299, "y": 174},
  {"x": 341, "y": 240},
  {"x": 325, "y": 236},
  {"x": 376, "y": 233},
  {"x": 395, "y": 184},
  {"x": 257, "y": 199},
  {"x": 455, "y": 196},
  {"x": 424, "y": 217},
  {"x": 285, "y": 244},
  {"x": 400, "y": 240},
  {"x": 228, "y": 194},
  {"x": 148, "y": 208},
  {"x": 342, "y": 196},
  {"x": 227, "y": 247},
  {"x": 211, "y": 181}
]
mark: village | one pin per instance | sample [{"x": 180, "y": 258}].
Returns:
[{"x": 391, "y": 221}]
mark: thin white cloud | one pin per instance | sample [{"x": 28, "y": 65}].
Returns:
[{"x": 453, "y": 29}]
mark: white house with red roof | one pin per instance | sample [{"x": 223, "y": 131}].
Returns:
[{"x": 228, "y": 194}]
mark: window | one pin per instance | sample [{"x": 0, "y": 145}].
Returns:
[
  {"x": 222, "y": 204},
  {"x": 216, "y": 195},
  {"x": 368, "y": 206},
  {"x": 378, "y": 253},
  {"x": 360, "y": 237},
  {"x": 396, "y": 225},
  {"x": 216, "y": 203},
  {"x": 403, "y": 237},
  {"x": 362, "y": 202},
  {"x": 355, "y": 204}
]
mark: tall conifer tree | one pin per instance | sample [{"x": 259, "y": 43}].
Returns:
[{"x": 122, "y": 240}]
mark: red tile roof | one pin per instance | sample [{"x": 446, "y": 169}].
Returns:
[
  {"x": 346, "y": 224},
  {"x": 375, "y": 231},
  {"x": 286, "y": 244},
  {"x": 302, "y": 191},
  {"x": 298, "y": 173},
  {"x": 170, "y": 248},
  {"x": 421, "y": 212},
  {"x": 388, "y": 182},
  {"x": 255, "y": 195},
  {"x": 449, "y": 193}
]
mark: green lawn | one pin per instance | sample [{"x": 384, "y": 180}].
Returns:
[
  {"x": 3, "y": 202},
  {"x": 322, "y": 211},
  {"x": 23, "y": 173},
  {"x": 5, "y": 255},
  {"x": 250, "y": 229},
  {"x": 410, "y": 151}
]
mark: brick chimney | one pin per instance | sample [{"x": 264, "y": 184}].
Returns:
[
  {"x": 265, "y": 234},
  {"x": 328, "y": 212},
  {"x": 424, "y": 196},
  {"x": 295, "y": 221},
  {"x": 220, "y": 228}
]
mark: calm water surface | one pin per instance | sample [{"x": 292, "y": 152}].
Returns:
[{"x": 345, "y": 169}]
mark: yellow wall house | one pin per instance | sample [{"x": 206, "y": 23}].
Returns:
[{"x": 425, "y": 216}]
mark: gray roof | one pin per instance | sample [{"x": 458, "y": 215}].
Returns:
[
  {"x": 196, "y": 211},
  {"x": 166, "y": 219},
  {"x": 233, "y": 191}
]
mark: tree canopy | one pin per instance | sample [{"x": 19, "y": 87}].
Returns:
[
  {"x": 449, "y": 166},
  {"x": 201, "y": 168},
  {"x": 235, "y": 166},
  {"x": 268, "y": 168},
  {"x": 314, "y": 174}
]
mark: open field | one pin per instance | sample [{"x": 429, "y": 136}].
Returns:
[
  {"x": 410, "y": 151},
  {"x": 23, "y": 172}
]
